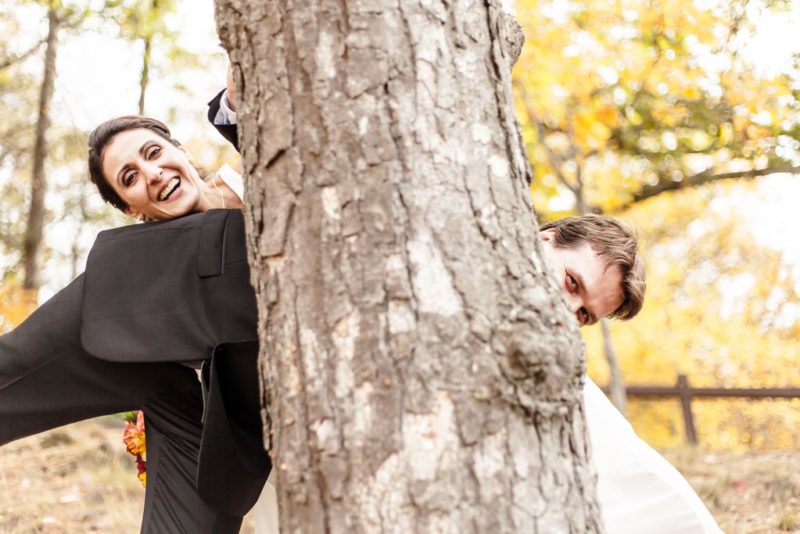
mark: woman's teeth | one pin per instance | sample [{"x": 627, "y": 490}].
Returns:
[{"x": 170, "y": 188}]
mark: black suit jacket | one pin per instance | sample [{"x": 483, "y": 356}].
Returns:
[
  {"x": 179, "y": 291},
  {"x": 168, "y": 291},
  {"x": 228, "y": 131}
]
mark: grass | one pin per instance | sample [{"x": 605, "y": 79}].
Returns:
[
  {"x": 74, "y": 479},
  {"x": 746, "y": 493}
]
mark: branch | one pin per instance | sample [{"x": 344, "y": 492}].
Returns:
[
  {"x": 7, "y": 62},
  {"x": 555, "y": 160},
  {"x": 702, "y": 178}
]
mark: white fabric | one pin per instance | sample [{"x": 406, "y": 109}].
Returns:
[
  {"x": 266, "y": 510},
  {"x": 638, "y": 489},
  {"x": 225, "y": 115},
  {"x": 233, "y": 180}
]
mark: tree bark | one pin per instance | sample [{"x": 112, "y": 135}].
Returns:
[
  {"x": 36, "y": 213},
  {"x": 420, "y": 371}
]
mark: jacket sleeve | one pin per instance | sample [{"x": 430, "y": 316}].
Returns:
[{"x": 228, "y": 131}]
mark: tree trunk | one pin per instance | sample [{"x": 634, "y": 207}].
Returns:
[
  {"x": 144, "y": 77},
  {"x": 36, "y": 213},
  {"x": 420, "y": 370},
  {"x": 616, "y": 384},
  {"x": 147, "y": 41}
]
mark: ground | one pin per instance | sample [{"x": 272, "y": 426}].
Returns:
[
  {"x": 74, "y": 479},
  {"x": 80, "y": 479}
]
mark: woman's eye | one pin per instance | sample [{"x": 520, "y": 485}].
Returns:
[
  {"x": 153, "y": 152},
  {"x": 127, "y": 180}
]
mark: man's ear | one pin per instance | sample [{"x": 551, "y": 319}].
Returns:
[{"x": 547, "y": 235}]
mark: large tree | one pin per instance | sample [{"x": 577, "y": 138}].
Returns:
[{"x": 420, "y": 371}]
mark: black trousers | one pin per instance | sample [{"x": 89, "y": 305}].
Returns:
[{"x": 47, "y": 380}]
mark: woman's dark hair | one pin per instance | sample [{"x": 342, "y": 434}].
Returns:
[{"x": 102, "y": 135}]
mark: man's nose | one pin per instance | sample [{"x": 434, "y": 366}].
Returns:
[{"x": 575, "y": 304}]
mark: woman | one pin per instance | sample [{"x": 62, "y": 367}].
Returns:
[{"x": 139, "y": 168}]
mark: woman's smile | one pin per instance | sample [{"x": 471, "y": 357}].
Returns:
[{"x": 170, "y": 191}]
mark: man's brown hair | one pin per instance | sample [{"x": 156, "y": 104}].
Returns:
[{"x": 616, "y": 244}]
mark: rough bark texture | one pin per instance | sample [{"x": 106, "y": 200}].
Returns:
[
  {"x": 35, "y": 227},
  {"x": 420, "y": 370}
]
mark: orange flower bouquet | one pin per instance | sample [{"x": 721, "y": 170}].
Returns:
[{"x": 134, "y": 438}]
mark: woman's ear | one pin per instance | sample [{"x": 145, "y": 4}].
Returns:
[{"x": 133, "y": 213}]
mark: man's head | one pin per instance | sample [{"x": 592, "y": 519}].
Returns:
[{"x": 596, "y": 261}]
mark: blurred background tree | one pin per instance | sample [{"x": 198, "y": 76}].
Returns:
[
  {"x": 49, "y": 211},
  {"x": 657, "y": 113}
]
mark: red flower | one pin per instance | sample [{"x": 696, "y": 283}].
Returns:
[{"x": 134, "y": 438}]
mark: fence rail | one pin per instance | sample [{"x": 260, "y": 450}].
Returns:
[{"x": 685, "y": 393}]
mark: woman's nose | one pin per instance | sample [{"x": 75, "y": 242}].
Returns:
[{"x": 153, "y": 173}]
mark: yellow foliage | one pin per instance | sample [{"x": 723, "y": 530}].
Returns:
[
  {"x": 653, "y": 83},
  {"x": 707, "y": 315},
  {"x": 16, "y": 303}
]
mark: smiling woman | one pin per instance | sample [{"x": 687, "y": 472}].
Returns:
[{"x": 140, "y": 169}]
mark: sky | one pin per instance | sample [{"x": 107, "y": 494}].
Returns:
[{"x": 110, "y": 67}]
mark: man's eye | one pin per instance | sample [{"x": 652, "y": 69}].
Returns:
[
  {"x": 584, "y": 316},
  {"x": 572, "y": 283}
]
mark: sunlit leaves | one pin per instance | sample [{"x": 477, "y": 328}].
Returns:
[
  {"x": 656, "y": 84},
  {"x": 720, "y": 309}
]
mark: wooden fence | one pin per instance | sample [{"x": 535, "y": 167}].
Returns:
[{"x": 685, "y": 393}]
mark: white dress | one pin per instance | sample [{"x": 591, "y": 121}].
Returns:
[{"x": 638, "y": 489}]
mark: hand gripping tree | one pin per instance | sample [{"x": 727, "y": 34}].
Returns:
[{"x": 420, "y": 371}]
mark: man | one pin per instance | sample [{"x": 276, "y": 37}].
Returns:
[
  {"x": 596, "y": 261},
  {"x": 600, "y": 272}
]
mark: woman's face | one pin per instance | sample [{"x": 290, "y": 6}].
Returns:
[{"x": 153, "y": 176}]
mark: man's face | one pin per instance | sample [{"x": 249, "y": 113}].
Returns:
[{"x": 591, "y": 290}]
